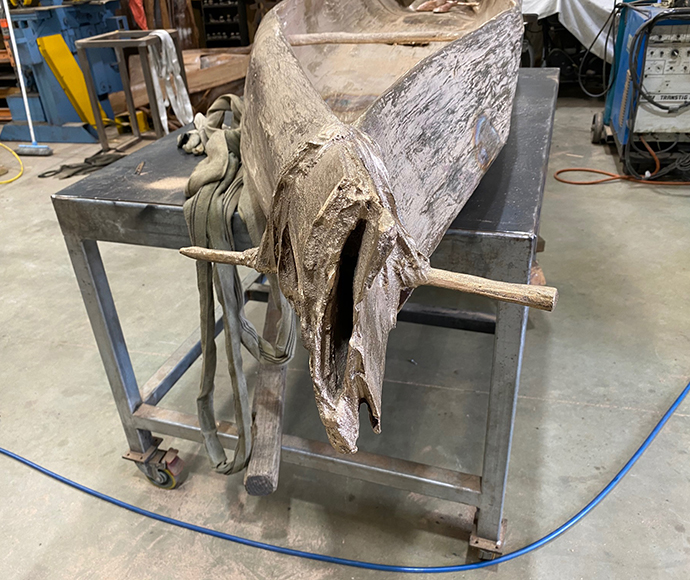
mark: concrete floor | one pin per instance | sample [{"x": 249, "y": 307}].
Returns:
[{"x": 597, "y": 375}]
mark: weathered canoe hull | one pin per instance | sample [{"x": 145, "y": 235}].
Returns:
[{"x": 354, "y": 211}]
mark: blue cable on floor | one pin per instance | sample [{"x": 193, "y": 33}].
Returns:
[{"x": 371, "y": 565}]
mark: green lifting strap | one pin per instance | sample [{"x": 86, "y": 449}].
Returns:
[{"x": 215, "y": 191}]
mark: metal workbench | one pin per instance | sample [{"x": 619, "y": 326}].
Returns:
[{"x": 495, "y": 235}]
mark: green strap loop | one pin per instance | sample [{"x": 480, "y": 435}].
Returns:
[{"x": 214, "y": 191}]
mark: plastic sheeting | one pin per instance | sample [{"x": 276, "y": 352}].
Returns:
[{"x": 583, "y": 18}]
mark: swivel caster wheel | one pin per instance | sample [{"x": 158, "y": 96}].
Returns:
[
  {"x": 486, "y": 555},
  {"x": 163, "y": 478},
  {"x": 166, "y": 472},
  {"x": 487, "y": 549},
  {"x": 164, "y": 469}
]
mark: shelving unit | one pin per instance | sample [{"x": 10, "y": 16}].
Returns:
[
  {"x": 225, "y": 23},
  {"x": 8, "y": 84}
]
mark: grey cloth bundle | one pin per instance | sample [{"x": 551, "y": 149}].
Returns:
[{"x": 215, "y": 191}]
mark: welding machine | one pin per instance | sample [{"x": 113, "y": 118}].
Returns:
[{"x": 648, "y": 105}]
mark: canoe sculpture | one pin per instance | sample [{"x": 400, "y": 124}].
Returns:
[{"x": 367, "y": 126}]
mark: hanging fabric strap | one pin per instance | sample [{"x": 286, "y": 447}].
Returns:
[
  {"x": 214, "y": 191},
  {"x": 166, "y": 67}
]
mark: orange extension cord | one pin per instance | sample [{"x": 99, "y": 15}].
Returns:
[{"x": 615, "y": 176}]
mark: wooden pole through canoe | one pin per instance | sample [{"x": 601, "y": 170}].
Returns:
[
  {"x": 540, "y": 297},
  {"x": 413, "y": 37}
]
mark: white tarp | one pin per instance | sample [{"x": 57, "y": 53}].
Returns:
[{"x": 582, "y": 18}]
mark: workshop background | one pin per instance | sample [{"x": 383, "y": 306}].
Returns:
[{"x": 596, "y": 376}]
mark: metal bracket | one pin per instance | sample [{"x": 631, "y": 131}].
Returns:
[
  {"x": 154, "y": 462},
  {"x": 488, "y": 549},
  {"x": 171, "y": 461},
  {"x": 144, "y": 457}
]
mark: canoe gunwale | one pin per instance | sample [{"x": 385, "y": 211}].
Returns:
[{"x": 445, "y": 40}]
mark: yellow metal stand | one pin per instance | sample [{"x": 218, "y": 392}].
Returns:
[{"x": 67, "y": 72}]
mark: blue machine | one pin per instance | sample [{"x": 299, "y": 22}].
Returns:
[
  {"x": 649, "y": 101},
  {"x": 55, "y": 118}
]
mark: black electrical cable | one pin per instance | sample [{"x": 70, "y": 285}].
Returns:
[
  {"x": 612, "y": 17},
  {"x": 660, "y": 150},
  {"x": 669, "y": 148},
  {"x": 612, "y": 27}
]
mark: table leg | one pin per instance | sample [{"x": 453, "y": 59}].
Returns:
[
  {"x": 511, "y": 323},
  {"x": 180, "y": 58},
  {"x": 95, "y": 290},
  {"x": 93, "y": 98},
  {"x": 149, "y": 79},
  {"x": 127, "y": 89}
]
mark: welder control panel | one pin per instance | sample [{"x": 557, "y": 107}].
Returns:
[{"x": 666, "y": 78}]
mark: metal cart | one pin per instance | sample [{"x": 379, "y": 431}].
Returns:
[{"x": 495, "y": 235}]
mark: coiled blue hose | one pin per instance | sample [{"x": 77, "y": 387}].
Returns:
[{"x": 371, "y": 565}]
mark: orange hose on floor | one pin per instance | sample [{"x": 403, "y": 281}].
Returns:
[{"x": 615, "y": 176}]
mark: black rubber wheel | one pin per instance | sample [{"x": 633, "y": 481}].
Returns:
[
  {"x": 485, "y": 555},
  {"x": 164, "y": 479},
  {"x": 598, "y": 131}
]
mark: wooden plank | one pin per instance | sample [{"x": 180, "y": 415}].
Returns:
[
  {"x": 234, "y": 68},
  {"x": 219, "y": 68},
  {"x": 261, "y": 477},
  {"x": 7, "y": 91},
  {"x": 150, "y": 10},
  {"x": 165, "y": 14},
  {"x": 192, "y": 56}
]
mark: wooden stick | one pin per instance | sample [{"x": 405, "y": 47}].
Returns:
[
  {"x": 540, "y": 297},
  {"x": 372, "y": 38},
  {"x": 246, "y": 258},
  {"x": 263, "y": 470}
]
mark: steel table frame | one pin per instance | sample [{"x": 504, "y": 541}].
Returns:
[
  {"x": 493, "y": 236},
  {"x": 119, "y": 40}
]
